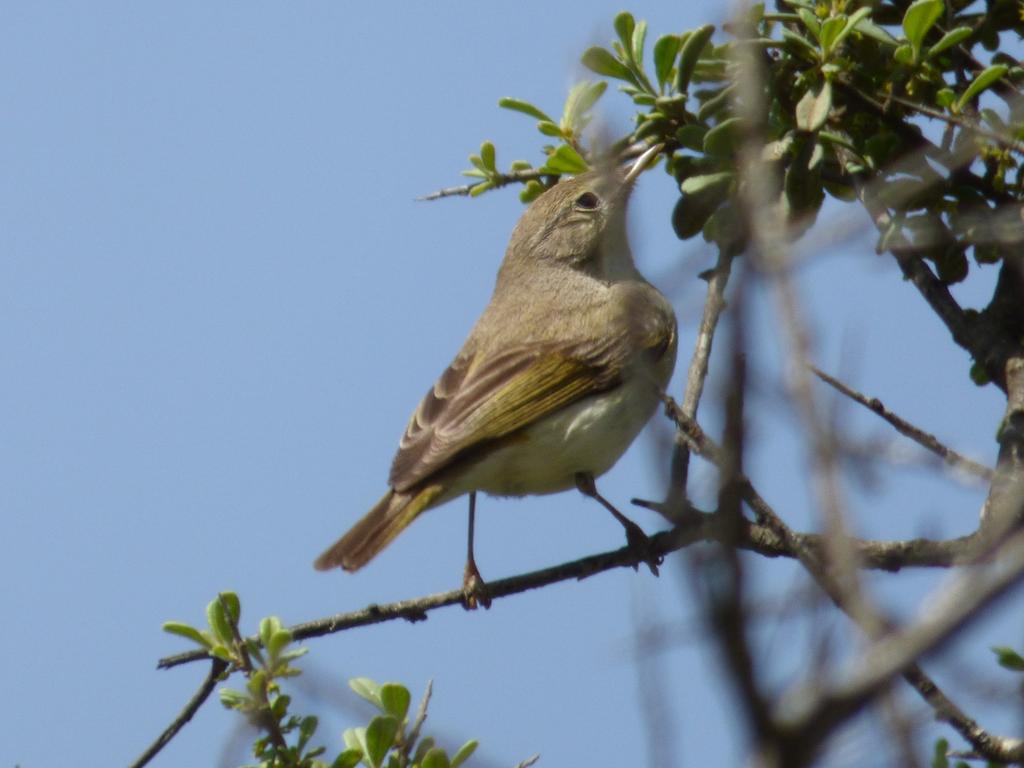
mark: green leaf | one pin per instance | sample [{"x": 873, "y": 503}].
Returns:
[
  {"x": 810, "y": 21},
  {"x": 830, "y": 31},
  {"x": 919, "y": 18},
  {"x": 307, "y": 729},
  {"x": 565, "y": 159},
  {"x": 233, "y": 699},
  {"x": 188, "y": 632},
  {"x": 268, "y": 626},
  {"x": 637, "y": 43},
  {"x": 665, "y": 51},
  {"x": 837, "y": 139},
  {"x": 278, "y": 642},
  {"x": 550, "y": 129},
  {"x": 727, "y": 228},
  {"x": 939, "y": 758},
  {"x": 1009, "y": 658},
  {"x": 601, "y": 61},
  {"x": 945, "y": 97},
  {"x": 354, "y": 738},
  {"x": 692, "y": 137},
  {"x": 948, "y": 40},
  {"x": 531, "y": 191},
  {"x": 221, "y": 621},
  {"x": 868, "y": 28},
  {"x": 517, "y": 105},
  {"x": 690, "y": 54},
  {"x": 380, "y": 737},
  {"x": 395, "y": 699},
  {"x": 478, "y": 163},
  {"x": 800, "y": 45},
  {"x": 979, "y": 375},
  {"x": 697, "y": 184},
  {"x": 851, "y": 24},
  {"x": 581, "y": 99},
  {"x": 435, "y": 758},
  {"x": 904, "y": 54},
  {"x": 985, "y": 78},
  {"x": 717, "y": 103},
  {"x": 221, "y": 652},
  {"x": 624, "y": 27},
  {"x": 350, "y": 758},
  {"x": 723, "y": 139},
  {"x": 817, "y": 155},
  {"x": 425, "y": 745},
  {"x": 812, "y": 110},
  {"x": 464, "y": 752},
  {"x": 487, "y": 156},
  {"x": 691, "y": 212},
  {"x": 368, "y": 689}
]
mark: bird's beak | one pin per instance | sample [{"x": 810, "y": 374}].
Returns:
[{"x": 641, "y": 163}]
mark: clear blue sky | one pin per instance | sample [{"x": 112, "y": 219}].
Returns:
[{"x": 219, "y": 303}]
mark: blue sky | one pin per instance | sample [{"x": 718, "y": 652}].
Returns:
[{"x": 219, "y": 303}]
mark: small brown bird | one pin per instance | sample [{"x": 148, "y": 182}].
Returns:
[{"x": 559, "y": 375}]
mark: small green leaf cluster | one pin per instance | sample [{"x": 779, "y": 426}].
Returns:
[
  {"x": 285, "y": 738},
  {"x": 843, "y": 89},
  {"x": 388, "y": 741},
  {"x": 565, "y": 157},
  {"x": 263, "y": 661}
]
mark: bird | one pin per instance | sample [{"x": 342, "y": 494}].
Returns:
[{"x": 564, "y": 367}]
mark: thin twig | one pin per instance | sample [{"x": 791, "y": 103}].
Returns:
[
  {"x": 696, "y": 375},
  {"x": 421, "y": 717},
  {"x": 872, "y": 554},
  {"x": 497, "y": 181},
  {"x": 217, "y": 667},
  {"x": 905, "y": 428},
  {"x": 1002, "y": 140},
  {"x": 529, "y": 761}
]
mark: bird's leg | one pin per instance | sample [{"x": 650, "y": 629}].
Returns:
[
  {"x": 635, "y": 536},
  {"x": 474, "y": 588}
]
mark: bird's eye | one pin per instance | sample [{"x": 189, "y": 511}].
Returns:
[{"x": 588, "y": 201}]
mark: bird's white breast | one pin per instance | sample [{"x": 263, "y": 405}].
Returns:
[{"x": 588, "y": 436}]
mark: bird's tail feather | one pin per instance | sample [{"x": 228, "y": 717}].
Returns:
[{"x": 388, "y": 518}]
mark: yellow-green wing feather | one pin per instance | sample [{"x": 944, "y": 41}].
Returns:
[{"x": 472, "y": 404}]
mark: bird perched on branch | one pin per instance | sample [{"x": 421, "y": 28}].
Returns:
[{"x": 563, "y": 369}]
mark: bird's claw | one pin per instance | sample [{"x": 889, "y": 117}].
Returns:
[
  {"x": 474, "y": 588},
  {"x": 640, "y": 543}
]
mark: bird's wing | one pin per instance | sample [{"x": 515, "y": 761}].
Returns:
[
  {"x": 484, "y": 397},
  {"x": 479, "y": 400}
]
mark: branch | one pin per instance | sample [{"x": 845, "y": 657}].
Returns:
[
  {"x": 905, "y": 428},
  {"x": 1007, "y": 142},
  {"x": 696, "y": 375},
  {"x": 495, "y": 182},
  {"x": 889, "y": 656},
  {"x": 808, "y": 549},
  {"x": 890, "y": 556},
  {"x": 217, "y": 667}
]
